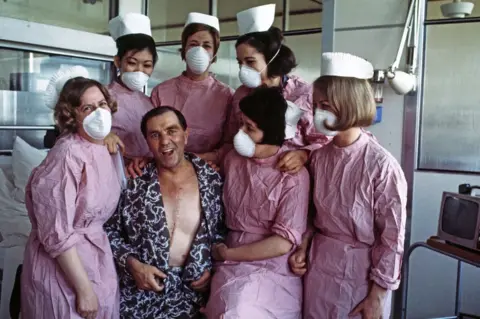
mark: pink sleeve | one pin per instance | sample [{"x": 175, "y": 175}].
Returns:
[
  {"x": 155, "y": 98},
  {"x": 53, "y": 203},
  {"x": 312, "y": 138},
  {"x": 390, "y": 215},
  {"x": 291, "y": 220}
]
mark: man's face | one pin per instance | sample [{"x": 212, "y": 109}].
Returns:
[{"x": 166, "y": 139}]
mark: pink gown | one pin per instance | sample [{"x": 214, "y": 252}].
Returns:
[
  {"x": 260, "y": 201},
  {"x": 69, "y": 197},
  {"x": 132, "y": 105},
  {"x": 205, "y": 105},
  {"x": 360, "y": 196},
  {"x": 297, "y": 91}
]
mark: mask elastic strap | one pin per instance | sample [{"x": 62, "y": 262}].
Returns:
[
  {"x": 274, "y": 56},
  {"x": 213, "y": 57}
]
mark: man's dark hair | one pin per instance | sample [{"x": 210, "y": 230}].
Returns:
[
  {"x": 266, "y": 106},
  {"x": 160, "y": 111}
]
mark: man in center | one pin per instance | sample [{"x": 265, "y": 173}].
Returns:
[{"x": 167, "y": 221}]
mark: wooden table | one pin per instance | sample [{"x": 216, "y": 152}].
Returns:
[{"x": 440, "y": 246}]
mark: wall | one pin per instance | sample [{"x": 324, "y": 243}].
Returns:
[
  {"x": 451, "y": 91},
  {"x": 73, "y": 14},
  {"x": 374, "y": 33},
  {"x": 378, "y": 26}
]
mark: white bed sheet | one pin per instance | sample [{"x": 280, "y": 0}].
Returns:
[
  {"x": 14, "y": 230},
  {"x": 14, "y": 222}
]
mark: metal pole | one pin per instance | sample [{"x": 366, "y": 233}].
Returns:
[
  {"x": 458, "y": 288},
  {"x": 25, "y": 128},
  {"x": 328, "y": 26},
  {"x": 113, "y": 9},
  {"x": 286, "y": 15},
  {"x": 213, "y": 7}
]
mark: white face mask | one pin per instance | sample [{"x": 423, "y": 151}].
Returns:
[
  {"x": 243, "y": 144},
  {"x": 250, "y": 77},
  {"x": 98, "y": 124},
  {"x": 198, "y": 60},
  {"x": 135, "y": 81},
  {"x": 322, "y": 116}
]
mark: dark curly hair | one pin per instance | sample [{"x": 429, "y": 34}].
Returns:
[{"x": 71, "y": 98}]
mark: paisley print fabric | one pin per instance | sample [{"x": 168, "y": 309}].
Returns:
[{"x": 139, "y": 229}]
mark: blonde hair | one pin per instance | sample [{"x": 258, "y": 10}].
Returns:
[{"x": 352, "y": 101}]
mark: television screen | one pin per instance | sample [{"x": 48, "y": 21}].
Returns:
[{"x": 459, "y": 217}]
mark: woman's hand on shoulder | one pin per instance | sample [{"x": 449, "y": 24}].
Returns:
[
  {"x": 136, "y": 165},
  {"x": 111, "y": 141},
  {"x": 293, "y": 161}
]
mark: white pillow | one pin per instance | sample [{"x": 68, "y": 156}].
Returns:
[{"x": 24, "y": 159}]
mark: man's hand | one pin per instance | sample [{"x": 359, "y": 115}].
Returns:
[
  {"x": 145, "y": 275},
  {"x": 202, "y": 284}
]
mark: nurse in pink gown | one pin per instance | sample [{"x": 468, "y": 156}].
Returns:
[
  {"x": 360, "y": 196},
  {"x": 265, "y": 61},
  {"x": 203, "y": 100},
  {"x": 135, "y": 60},
  {"x": 266, "y": 213},
  {"x": 68, "y": 269}
]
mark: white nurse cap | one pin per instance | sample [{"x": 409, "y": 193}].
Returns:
[
  {"x": 292, "y": 116},
  {"x": 257, "y": 19},
  {"x": 345, "y": 65},
  {"x": 129, "y": 23},
  {"x": 58, "y": 80},
  {"x": 195, "y": 17}
]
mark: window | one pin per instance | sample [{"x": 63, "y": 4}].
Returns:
[
  {"x": 168, "y": 17},
  {"x": 450, "y": 122},
  {"x": 86, "y": 15},
  {"x": 23, "y": 79}
]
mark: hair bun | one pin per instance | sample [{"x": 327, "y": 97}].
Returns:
[{"x": 276, "y": 34}]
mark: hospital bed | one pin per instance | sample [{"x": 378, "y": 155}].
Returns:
[{"x": 15, "y": 225}]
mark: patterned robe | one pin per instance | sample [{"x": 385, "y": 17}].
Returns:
[{"x": 139, "y": 229}]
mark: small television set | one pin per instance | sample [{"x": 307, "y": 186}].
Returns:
[{"x": 459, "y": 220}]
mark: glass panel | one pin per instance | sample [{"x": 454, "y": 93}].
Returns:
[
  {"x": 169, "y": 65},
  {"x": 226, "y": 68},
  {"x": 228, "y": 9},
  {"x": 450, "y": 123},
  {"x": 85, "y": 15},
  {"x": 434, "y": 10},
  {"x": 24, "y": 77},
  {"x": 304, "y": 14},
  {"x": 168, "y": 17}
]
